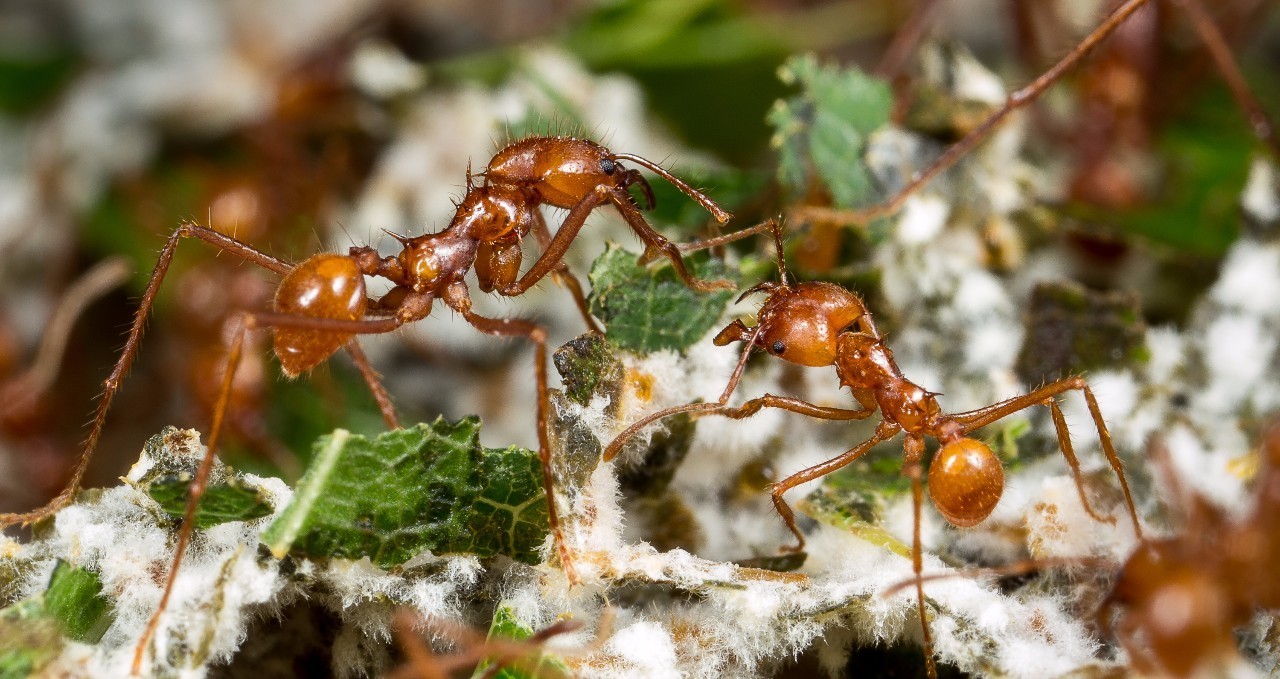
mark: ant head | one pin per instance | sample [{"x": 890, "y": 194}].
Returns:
[
  {"x": 799, "y": 323},
  {"x": 1161, "y": 578}
]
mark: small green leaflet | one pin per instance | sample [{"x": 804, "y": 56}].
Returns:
[
  {"x": 32, "y": 631},
  {"x": 426, "y": 487},
  {"x": 647, "y": 309},
  {"x": 231, "y": 500},
  {"x": 821, "y": 133},
  {"x": 506, "y": 626},
  {"x": 174, "y": 454}
]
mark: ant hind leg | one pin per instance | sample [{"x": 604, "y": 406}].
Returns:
[{"x": 976, "y": 419}]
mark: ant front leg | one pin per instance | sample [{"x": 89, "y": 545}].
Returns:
[
  {"x": 656, "y": 242},
  {"x": 130, "y": 352},
  {"x": 459, "y": 299},
  {"x": 1047, "y": 395},
  {"x": 563, "y": 275},
  {"x": 885, "y": 431}
]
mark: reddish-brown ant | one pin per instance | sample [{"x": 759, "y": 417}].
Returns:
[
  {"x": 1180, "y": 598},
  {"x": 820, "y": 324},
  {"x": 1176, "y": 601},
  {"x": 321, "y": 304}
]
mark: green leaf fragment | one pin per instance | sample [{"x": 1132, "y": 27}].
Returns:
[
  {"x": 647, "y": 309},
  {"x": 174, "y": 454},
  {"x": 232, "y": 500},
  {"x": 34, "y": 630},
  {"x": 821, "y": 133},
  {"x": 430, "y": 487},
  {"x": 505, "y": 625},
  {"x": 75, "y": 600}
]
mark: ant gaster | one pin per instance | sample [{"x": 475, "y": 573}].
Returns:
[
  {"x": 321, "y": 304},
  {"x": 820, "y": 324}
]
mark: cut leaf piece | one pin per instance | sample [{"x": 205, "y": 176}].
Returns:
[
  {"x": 168, "y": 466},
  {"x": 647, "y": 309},
  {"x": 427, "y": 487}
]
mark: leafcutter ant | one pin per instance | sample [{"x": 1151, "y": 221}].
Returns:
[
  {"x": 1176, "y": 601},
  {"x": 1180, "y": 597},
  {"x": 321, "y": 304},
  {"x": 820, "y": 324}
]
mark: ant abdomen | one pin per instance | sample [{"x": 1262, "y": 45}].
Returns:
[
  {"x": 324, "y": 286},
  {"x": 966, "y": 481}
]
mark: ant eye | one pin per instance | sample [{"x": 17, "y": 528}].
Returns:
[
  {"x": 779, "y": 347},
  {"x": 607, "y": 166}
]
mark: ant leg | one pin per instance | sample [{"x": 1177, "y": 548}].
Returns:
[
  {"x": 1017, "y": 100},
  {"x": 374, "y": 380},
  {"x": 767, "y": 225},
  {"x": 1064, "y": 444},
  {"x": 885, "y": 431},
  {"x": 562, "y": 274},
  {"x": 196, "y": 490},
  {"x": 611, "y": 451},
  {"x": 656, "y": 242},
  {"x": 249, "y": 322},
  {"x": 21, "y": 392},
  {"x": 707, "y": 204},
  {"x": 457, "y": 297},
  {"x": 913, "y": 454},
  {"x": 553, "y": 251},
  {"x": 794, "y": 405},
  {"x": 976, "y": 419},
  {"x": 130, "y": 352},
  {"x": 1212, "y": 38}
]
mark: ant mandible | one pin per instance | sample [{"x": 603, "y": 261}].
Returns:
[
  {"x": 321, "y": 304},
  {"x": 820, "y": 324}
]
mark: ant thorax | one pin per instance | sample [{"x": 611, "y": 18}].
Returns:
[{"x": 864, "y": 362}]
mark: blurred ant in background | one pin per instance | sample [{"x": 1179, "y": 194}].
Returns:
[
  {"x": 820, "y": 324},
  {"x": 1117, "y": 107},
  {"x": 1180, "y": 598}
]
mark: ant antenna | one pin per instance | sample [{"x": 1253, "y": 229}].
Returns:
[
  {"x": 706, "y": 203},
  {"x": 782, "y": 259},
  {"x": 470, "y": 185}
]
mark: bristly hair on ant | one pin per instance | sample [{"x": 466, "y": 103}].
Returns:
[{"x": 819, "y": 324}]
